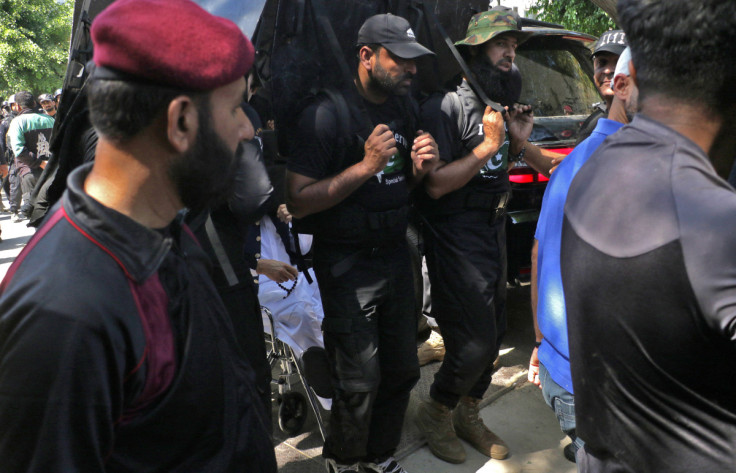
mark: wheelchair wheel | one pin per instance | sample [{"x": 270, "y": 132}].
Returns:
[{"x": 292, "y": 413}]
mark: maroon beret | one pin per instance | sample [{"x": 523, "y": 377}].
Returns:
[{"x": 170, "y": 42}]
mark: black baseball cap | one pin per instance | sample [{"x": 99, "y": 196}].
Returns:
[
  {"x": 44, "y": 97},
  {"x": 613, "y": 41},
  {"x": 393, "y": 33}
]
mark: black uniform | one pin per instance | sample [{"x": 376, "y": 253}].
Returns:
[
  {"x": 362, "y": 266},
  {"x": 465, "y": 241}
]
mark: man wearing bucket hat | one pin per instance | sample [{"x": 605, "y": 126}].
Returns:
[
  {"x": 116, "y": 352},
  {"x": 463, "y": 203},
  {"x": 357, "y": 187}
]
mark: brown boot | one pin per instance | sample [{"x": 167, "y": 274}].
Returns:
[
  {"x": 470, "y": 427},
  {"x": 435, "y": 421},
  {"x": 433, "y": 349}
]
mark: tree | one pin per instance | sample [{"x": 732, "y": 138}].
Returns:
[
  {"x": 608, "y": 6},
  {"x": 578, "y": 15},
  {"x": 34, "y": 44}
]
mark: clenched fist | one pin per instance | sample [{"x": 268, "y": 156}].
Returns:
[{"x": 379, "y": 147}]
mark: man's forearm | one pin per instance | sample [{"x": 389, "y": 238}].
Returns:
[
  {"x": 306, "y": 196},
  {"x": 448, "y": 177},
  {"x": 538, "y": 158}
]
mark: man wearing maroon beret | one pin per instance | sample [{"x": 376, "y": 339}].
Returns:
[{"x": 116, "y": 353}]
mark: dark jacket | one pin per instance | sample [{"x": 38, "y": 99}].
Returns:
[{"x": 117, "y": 354}]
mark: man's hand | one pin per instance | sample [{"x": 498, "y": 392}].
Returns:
[
  {"x": 533, "y": 375},
  {"x": 277, "y": 271},
  {"x": 493, "y": 130},
  {"x": 520, "y": 122},
  {"x": 556, "y": 162},
  {"x": 283, "y": 213},
  {"x": 3, "y": 171},
  {"x": 379, "y": 147},
  {"x": 424, "y": 152}
]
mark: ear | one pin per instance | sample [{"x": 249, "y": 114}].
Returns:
[
  {"x": 365, "y": 54},
  {"x": 182, "y": 123},
  {"x": 622, "y": 86}
]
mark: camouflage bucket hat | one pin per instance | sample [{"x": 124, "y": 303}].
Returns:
[{"x": 488, "y": 24}]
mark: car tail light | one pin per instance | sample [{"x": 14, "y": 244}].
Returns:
[{"x": 522, "y": 173}]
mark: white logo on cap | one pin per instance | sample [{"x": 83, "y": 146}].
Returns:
[{"x": 410, "y": 34}]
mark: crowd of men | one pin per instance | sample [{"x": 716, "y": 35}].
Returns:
[
  {"x": 25, "y": 135},
  {"x": 129, "y": 342}
]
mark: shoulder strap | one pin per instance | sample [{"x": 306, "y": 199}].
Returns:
[{"x": 220, "y": 253}]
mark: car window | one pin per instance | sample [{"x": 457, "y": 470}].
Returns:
[{"x": 557, "y": 86}]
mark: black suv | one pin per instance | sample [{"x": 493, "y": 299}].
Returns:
[{"x": 557, "y": 81}]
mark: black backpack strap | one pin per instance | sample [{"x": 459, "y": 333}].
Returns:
[
  {"x": 301, "y": 263},
  {"x": 342, "y": 120}
]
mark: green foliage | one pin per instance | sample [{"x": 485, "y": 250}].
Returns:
[
  {"x": 577, "y": 15},
  {"x": 34, "y": 44}
]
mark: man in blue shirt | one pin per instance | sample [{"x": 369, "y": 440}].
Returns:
[{"x": 549, "y": 366}]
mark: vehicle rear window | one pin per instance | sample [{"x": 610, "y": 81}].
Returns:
[{"x": 557, "y": 86}]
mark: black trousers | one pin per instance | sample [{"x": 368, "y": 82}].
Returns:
[
  {"x": 242, "y": 304},
  {"x": 466, "y": 259},
  {"x": 27, "y": 183},
  {"x": 370, "y": 337},
  {"x": 15, "y": 196}
]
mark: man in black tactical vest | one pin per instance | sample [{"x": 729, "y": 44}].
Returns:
[
  {"x": 356, "y": 190},
  {"x": 463, "y": 203}
]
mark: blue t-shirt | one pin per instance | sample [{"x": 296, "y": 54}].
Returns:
[{"x": 554, "y": 352}]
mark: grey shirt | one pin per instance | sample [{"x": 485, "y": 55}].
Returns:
[{"x": 649, "y": 273}]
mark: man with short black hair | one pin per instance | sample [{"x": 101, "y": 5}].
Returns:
[
  {"x": 29, "y": 137},
  {"x": 116, "y": 352},
  {"x": 357, "y": 188},
  {"x": 47, "y": 104},
  {"x": 648, "y": 255}
]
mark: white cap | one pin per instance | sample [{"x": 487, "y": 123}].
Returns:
[
  {"x": 11, "y": 99},
  {"x": 622, "y": 66}
]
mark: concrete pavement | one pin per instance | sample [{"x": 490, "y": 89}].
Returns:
[{"x": 14, "y": 237}]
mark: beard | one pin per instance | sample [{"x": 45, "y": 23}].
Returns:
[
  {"x": 500, "y": 86},
  {"x": 380, "y": 80},
  {"x": 204, "y": 175}
]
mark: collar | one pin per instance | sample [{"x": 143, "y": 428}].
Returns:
[
  {"x": 464, "y": 90},
  {"x": 607, "y": 127},
  {"x": 140, "y": 250},
  {"x": 663, "y": 132}
]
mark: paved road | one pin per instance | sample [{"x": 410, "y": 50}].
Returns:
[{"x": 14, "y": 237}]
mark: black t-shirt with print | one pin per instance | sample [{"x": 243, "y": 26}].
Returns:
[
  {"x": 455, "y": 120},
  {"x": 319, "y": 155}
]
